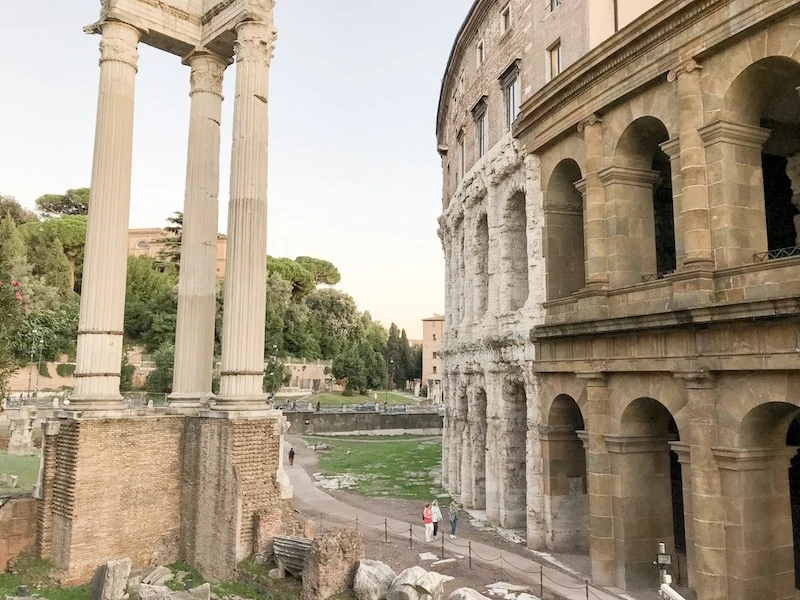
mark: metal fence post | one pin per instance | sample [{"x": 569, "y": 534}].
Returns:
[
  {"x": 410, "y": 536},
  {"x": 356, "y": 522},
  {"x": 386, "y": 530},
  {"x": 442, "y": 545},
  {"x": 470, "y": 554},
  {"x": 541, "y": 581}
]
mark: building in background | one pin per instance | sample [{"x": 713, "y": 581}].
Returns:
[
  {"x": 432, "y": 331},
  {"x": 150, "y": 242}
]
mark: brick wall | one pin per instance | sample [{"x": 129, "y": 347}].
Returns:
[
  {"x": 116, "y": 493},
  {"x": 17, "y": 529}
]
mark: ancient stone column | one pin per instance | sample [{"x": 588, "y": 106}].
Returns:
[
  {"x": 594, "y": 210},
  {"x": 242, "y": 368},
  {"x": 694, "y": 187},
  {"x": 194, "y": 338},
  {"x": 99, "y": 353},
  {"x": 709, "y": 560}
]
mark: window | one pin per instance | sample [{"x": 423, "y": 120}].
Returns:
[
  {"x": 434, "y": 337},
  {"x": 434, "y": 369},
  {"x": 509, "y": 81},
  {"x": 554, "y": 59},
  {"x": 554, "y": 4},
  {"x": 462, "y": 155},
  {"x": 479, "y": 54},
  {"x": 505, "y": 18},
  {"x": 142, "y": 245},
  {"x": 479, "y": 114}
]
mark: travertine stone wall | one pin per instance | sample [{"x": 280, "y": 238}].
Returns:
[{"x": 658, "y": 403}]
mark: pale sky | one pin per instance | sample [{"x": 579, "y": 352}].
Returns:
[{"x": 354, "y": 175}]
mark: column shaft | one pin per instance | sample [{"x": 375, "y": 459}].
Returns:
[
  {"x": 246, "y": 271},
  {"x": 99, "y": 352},
  {"x": 194, "y": 339},
  {"x": 694, "y": 186},
  {"x": 594, "y": 210}
]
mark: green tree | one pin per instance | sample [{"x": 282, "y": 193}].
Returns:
[
  {"x": 415, "y": 370},
  {"x": 171, "y": 252},
  {"x": 302, "y": 279},
  {"x": 150, "y": 302},
  {"x": 10, "y": 206},
  {"x": 56, "y": 328},
  {"x": 70, "y": 231},
  {"x": 348, "y": 366},
  {"x": 73, "y": 202},
  {"x": 374, "y": 365},
  {"x": 276, "y": 374},
  {"x": 394, "y": 357},
  {"x": 333, "y": 317},
  {"x": 160, "y": 379},
  {"x": 10, "y": 323},
  {"x": 126, "y": 371},
  {"x": 321, "y": 270}
]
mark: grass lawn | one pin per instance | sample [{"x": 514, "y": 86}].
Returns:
[
  {"x": 34, "y": 573},
  {"x": 326, "y": 398},
  {"x": 24, "y": 467},
  {"x": 386, "y": 466}
]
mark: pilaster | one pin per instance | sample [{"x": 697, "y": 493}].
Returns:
[
  {"x": 594, "y": 214},
  {"x": 99, "y": 352}
]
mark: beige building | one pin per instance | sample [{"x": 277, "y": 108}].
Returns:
[
  {"x": 150, "y": 242},
  {"x": 432, "y": 333},
  {"x": 623, "y": 277}
]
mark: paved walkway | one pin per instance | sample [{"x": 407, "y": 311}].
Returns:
[{"x": 522, "y": 569}]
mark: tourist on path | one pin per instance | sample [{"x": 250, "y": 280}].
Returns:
[
  {"x": 427, "y": 520},
  {"x": 453, "y": 515},
  {"x": 291, "y": 456},
  {"x": 437, "y": 516}
]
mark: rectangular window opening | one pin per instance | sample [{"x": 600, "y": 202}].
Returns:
[
  {"x": 479, "y": 54},
  {"x": 554, "y": 4},
  {"x": 479, "y": 114},
  {"x": 505, "y": 17},
  {"x": 554, "y": 60}
]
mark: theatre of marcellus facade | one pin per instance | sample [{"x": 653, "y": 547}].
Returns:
[{"x": 620, "y": 227}]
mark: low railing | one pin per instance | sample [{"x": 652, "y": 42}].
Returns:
[{"x": 774, "y": 254}]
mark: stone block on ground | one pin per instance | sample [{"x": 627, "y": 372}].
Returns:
[
  {"x": 331, "y": 564},
  {"x": 373, "y": 579},
  {"x": 466, "y": 594},
  {"x": 416, "y": 583},
  {"x": 110, "y": 580},
  {"x": 154, "y": 592},
  {"x": 158, "y": 576},
  {"x": 201, "y": 592}
]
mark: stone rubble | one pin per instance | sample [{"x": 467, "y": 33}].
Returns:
[
  {"x": 331, "y": 563},
  {"x": 416, "y": 583},
  {"x": 110, "y": 580},
  {"x": 466, "y": 594},
  {"x": 373, "y": 579}
]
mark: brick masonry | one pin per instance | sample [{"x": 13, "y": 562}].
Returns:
[{"x": 17, "y": 529}]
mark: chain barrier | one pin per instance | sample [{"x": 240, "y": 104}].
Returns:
[{"x": 522, "y": 575}]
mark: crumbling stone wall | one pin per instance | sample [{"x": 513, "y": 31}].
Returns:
[{"x": 17, "y": 529}]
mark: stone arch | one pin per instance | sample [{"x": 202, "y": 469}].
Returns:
[
  {"x": 639, "y": 183},
  {"x": 478, "y": 429},
  {"x": 564, "y": 238},
  {"x": 480, "y": 250},
  {"x": 514, "y": 244},
  {"x": 513, "y": 448},
  {"x": 664, "y": 389},
  {"x": 566, "y": 500},
  {"x": 559, "y": 385},
  {"x": 650, "y": 484}
]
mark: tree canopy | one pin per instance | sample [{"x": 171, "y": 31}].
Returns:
[{"x": 72, "y": 202}]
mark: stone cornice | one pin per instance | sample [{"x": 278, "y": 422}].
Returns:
[
  {"x": 629, "y": 176},
  {"x": 672, "y": 148},
  {"x": 723, "y": 313},
  {"x": 632, "y": 58},
  {"x": 726, "y": 132},
  {"x": 635, "y": 444},
  {"x": 752, "y": 459}
]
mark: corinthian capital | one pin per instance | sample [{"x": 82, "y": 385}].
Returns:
[
  {"x": 686, "y": 66},
  {"x": 119, "y": 43},
  {"x": 255, "y": 40},
  {"x": 207, "y": 72}
]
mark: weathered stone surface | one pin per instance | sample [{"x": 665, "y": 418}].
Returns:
[
  {"x": 416, "y": 583},
  {"x": 158, "y": 576},
  {"x": 279, "y": 520},
  {"x": 201, "y": 592},
  {"x": 466, "y": 594},
  {"x": 373, "y": 579},
  {"x": 21, "y": 442},
  {"x": 154, "y": 592},
  {"x": 110, "y": 580},
  {"x": 331, "y": 564}
]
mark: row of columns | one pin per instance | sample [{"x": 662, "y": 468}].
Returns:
[{"x": 103, "y": 292}]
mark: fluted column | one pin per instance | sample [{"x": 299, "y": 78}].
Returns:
[
  {"x": 594, "y": 211},
  {"x": 99, "y": 353},
  {"x": 242, "y": 369},
  {"x": 194, "y": 338}
]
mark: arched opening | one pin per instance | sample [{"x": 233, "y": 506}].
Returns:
[
  {"x": 565, "y": 481},
  {"x": 515, "y": 253},
  {"x": 642, "y": 223},
  {"x": 651, "y": 490},
  {"x": 513, "y": 492},
  {"x": 759, "y": 163},
  {"x": 481, "y": 250},
  {"x": 763, "y": 483},
  {"x": 563, "y": 239},
  {"x": 460, "y": 274},
  {"x": 479, "y": 450}
]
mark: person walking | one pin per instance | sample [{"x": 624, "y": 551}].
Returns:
[
  {"x": 437, "y": 516},
  {"x": 291, "y": 456},
  {"x": 453, "y": 516},
  {"x": 427, "y": 520}
]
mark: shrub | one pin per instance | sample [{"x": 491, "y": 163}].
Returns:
[{"x": 65, "y": 369}]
